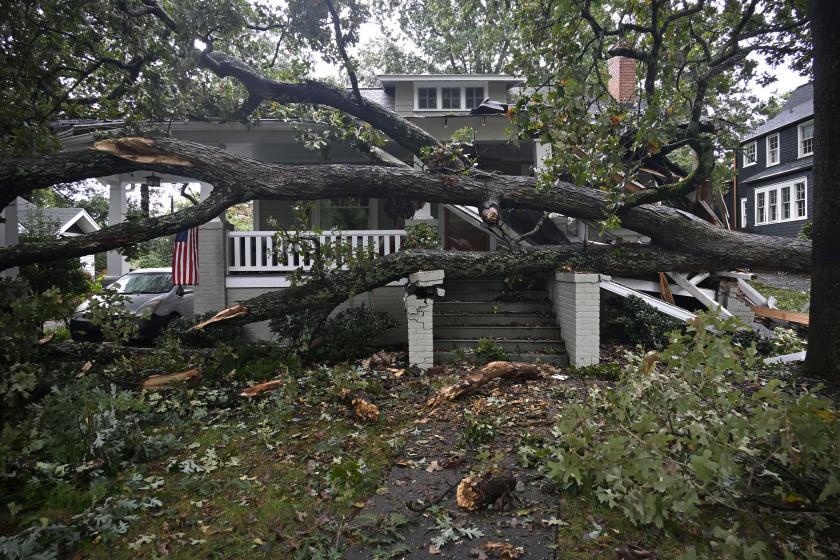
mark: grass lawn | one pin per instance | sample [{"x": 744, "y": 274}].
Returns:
[{"x": 788, "y": 300}]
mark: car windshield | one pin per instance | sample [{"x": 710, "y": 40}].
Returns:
[{"x": 144, "y": 283}]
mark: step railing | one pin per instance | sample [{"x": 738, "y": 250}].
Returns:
[{"x": 258, "y": 251}]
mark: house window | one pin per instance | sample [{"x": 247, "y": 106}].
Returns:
[
  {"x": 426, "y": 98},
  {"x": 800, "y": 199},
  {"x": 773, "y": 205},
  {"x": 806, "y": 139},
  {"x": 772, "y": 149},
  {"x": 347, "y": 213},
  {"x": 450, "y": 98},
  {"x": 744, "y": 213},
  {"x": 760, "y": 208},
  {"x": 749, "y": 154},
  {"x": 474, "y": 96},
  {"x": 784, "y": 202}
]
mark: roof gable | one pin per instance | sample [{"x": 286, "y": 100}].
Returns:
[{"x": 798, "y": 107}]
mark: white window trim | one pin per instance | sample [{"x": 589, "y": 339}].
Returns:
[
  {"x": 460, "y": 85},
  {"x": 744, "y": 162},
  {"x": 744, "y": 217},
  {"x": 767, "y": 150},
  {"x": 778, "y": 188},
  {"x": 799, "y": 140}
]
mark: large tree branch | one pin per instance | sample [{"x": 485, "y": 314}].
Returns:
[
  {"x": 238, "y": 179},
  {"x": 327, "y": 292}
]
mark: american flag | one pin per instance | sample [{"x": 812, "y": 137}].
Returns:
[{"x": 185, "y": 258}]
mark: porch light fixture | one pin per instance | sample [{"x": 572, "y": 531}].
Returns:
[{"x": 153, "y": 180}]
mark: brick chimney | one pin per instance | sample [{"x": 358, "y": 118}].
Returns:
[{"x": 622, "y": 84}]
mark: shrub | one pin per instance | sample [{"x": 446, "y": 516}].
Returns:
[
  {"x": 421, "y": 236},
  {"x": 351, "y": 334},
  {"x": 692, "y": 428},
  {"x": 644, "y": 324},
  {"x": 487, "y": 350}
]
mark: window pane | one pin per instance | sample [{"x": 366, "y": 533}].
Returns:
[
  {"x": 474, "y": 96},
  {"x": 759, "y": 208},
  {"x": 786, "y": 203},
  {"x": 806, "y": 135},
  {"x": 749, "y": 154},
  {"x": 450, "y": 98},
  {"x": 773, "y": 149},
  {"x": 427, "y": 98},
  {"x": 800, "y": 199},
  {"x": 773, "y": 206},
  {"x": 345, "y": 213}
]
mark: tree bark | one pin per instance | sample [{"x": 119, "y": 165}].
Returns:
[
  {"x": 823, "y": 357},
  {"x": 469, "y": 384},
  {"x": 238, "y": 179},
  {"x": 338, "y": 285}
]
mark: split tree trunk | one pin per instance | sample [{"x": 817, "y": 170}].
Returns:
[{"x": 823, "y": 358}]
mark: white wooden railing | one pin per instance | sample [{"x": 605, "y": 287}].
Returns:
[{"x": 255, "y": 251}]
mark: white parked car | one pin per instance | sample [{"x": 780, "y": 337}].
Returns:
[{"x": 151, "y": 297}]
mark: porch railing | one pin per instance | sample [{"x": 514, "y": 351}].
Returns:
[{"x": 255, "y": 251}]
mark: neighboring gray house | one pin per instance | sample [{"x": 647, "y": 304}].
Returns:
[
  {"x": 68, "y": 222},
  {"x": 772, "y": 193}
]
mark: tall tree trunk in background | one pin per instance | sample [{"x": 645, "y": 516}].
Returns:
[
  {"x": 824, "y": 335},
  {"x": 144, "y": 199}
]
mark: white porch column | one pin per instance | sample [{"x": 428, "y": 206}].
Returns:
[
  {"x": 210, "y": 294},
  {"x": 419, "y": 308},
  {"x": 541, "y": 152},
  {"x": 9, "y": 234},
  {"x": 577, "y": 306},
  {"x": 116, "y": 263}
]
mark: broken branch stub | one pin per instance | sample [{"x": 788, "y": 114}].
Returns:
[
  {"x": 225, "y": 314},
  {"x": 361, "y": 404},
  {"x": 488, "y": 488},
  {"x": 262, "y": 388},
  {"x": 156, "y": 381},
  {"x": 518, "y": 371}
]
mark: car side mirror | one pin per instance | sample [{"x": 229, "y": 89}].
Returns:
[{"x": 179, "y": 290}]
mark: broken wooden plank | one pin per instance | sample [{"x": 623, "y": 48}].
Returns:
[
  {"x": 789, "y": 316},
  {"x": 753, "y": 295},
  {"x": 735, "y": 274},
  {"x": 156, "y": 381},
  {"x": 666, "y": 289},
  {"x": 786, "y": 358},
  {"x": 663, "y": 306},
  {"x": 697, "y": 278},
  {"x": 711, "y": 304},
  {"x": 655, "y": 287}
]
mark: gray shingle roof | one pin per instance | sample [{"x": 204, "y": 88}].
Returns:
[
  {"x": 782, "y": 169},
  {"x": 378, "y": 95},
  {"x": 59, "y": 215},
  {"x": 799, "y": 106}
]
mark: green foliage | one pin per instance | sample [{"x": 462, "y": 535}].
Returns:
[
  {"x": 807, "y": 231},
  {"x": 694, "y": 428},
  {"x": 21, "y": 326},
  {"x": 421, "y": 236},
  {"x": 106, "y": 310},
  {"x": 610, "y": 371},
  {"x": 488, "y": 350},
  {"x": 477, "y": 430},
  {"x": 351, "y": 334},
  {"x": 181, "y": 333},
  {"x": 644, "y": 324},
  {"x": 66, "y": 275}
]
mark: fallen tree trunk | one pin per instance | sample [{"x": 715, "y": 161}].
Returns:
[
  {"x": 239, "y": 179},
  {"x": 339, "y": 285},
  {"x": 467, "y": 385}
]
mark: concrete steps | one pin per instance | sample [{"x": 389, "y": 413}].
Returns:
[{"x": 520, "y": 322}]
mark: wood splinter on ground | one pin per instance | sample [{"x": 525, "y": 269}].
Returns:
[
  {"x": 262, "y": 388},
  {"x": 490, "y": 488},
  {"x": 361, "y": 403},
  {"x": 225, "y": 314},
  {"x": 155, "y": 381},
  {"x": 469, "y": 384}
]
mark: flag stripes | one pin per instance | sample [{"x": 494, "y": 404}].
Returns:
[{"x": 185, "y": 258}]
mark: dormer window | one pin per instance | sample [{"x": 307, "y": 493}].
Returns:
[
  {"x": 448, "y": 95},
  {"x": 749, "y": 154},
  {"x": 450, "y": 98},
  {"x": 473, "y": 96},
  {"x": 426, "y": 98}
]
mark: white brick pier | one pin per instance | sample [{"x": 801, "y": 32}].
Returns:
[
  {"x": 577, "y": 306},
  {"x": 419, "y": 310}
]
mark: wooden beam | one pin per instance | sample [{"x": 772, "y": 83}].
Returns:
[
  {"x": 666, "y": 289},
  {"x": 649, "y": 286},
  {"x": 789, "y": 316},
  {"x": 684, "y": 283},
  {"x": 753, "y": 295},
  {"x": 667, "y": 308},
  {"x": 697, "y": 278}
]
